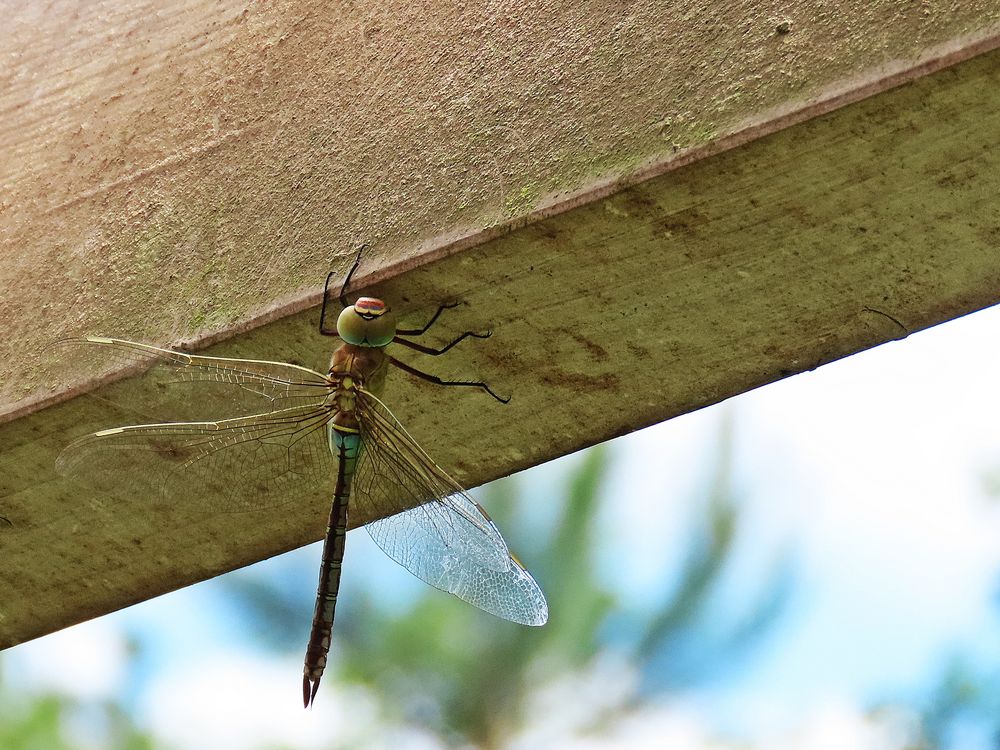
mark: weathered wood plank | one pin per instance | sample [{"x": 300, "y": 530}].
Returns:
[{"x": 217, "y": 192}]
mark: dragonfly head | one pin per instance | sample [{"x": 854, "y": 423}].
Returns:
[{"x": 368, "y": 322}]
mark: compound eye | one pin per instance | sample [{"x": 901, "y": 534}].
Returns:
[
  {"x": 362, "y": 329},
  {"x": 351, "y": 326},
  {"x": 381, "y": 330}
]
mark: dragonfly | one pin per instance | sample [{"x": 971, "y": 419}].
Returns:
[{"x": 319, "y": 430}]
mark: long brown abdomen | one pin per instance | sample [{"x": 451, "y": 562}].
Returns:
[{"x": 346, "y": 446}]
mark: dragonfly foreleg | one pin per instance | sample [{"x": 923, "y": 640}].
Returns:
[{"x": 342, "y": 296}]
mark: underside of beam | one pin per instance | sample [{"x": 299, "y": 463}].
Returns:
[{"x": 652, "y": 213}]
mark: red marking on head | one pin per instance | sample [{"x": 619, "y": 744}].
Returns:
[{"x": 369, "y": 306}]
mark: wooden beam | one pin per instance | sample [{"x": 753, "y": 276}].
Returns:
[{"x": 650, "y": 221}]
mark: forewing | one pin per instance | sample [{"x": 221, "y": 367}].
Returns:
[
  {"x": 238, "y": 464},
  {"x": 447, "y": 540},
  {"x": 282, "y": 384}
]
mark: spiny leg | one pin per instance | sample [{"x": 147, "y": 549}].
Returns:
[
  {"x": 438, "y": 381},
  {"x": 400, "y": 333},
  {"x": 342, "y": 296},
  {"x": 434, "y": 352},
  {"x": 429, "y": 323}
]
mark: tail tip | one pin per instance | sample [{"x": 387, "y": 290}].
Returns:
[{"x": 309, "y": 688}]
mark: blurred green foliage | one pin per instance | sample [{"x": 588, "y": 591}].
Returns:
[
  {"x": 58, "y": 722},
  {"x": 470, "y": 679}
]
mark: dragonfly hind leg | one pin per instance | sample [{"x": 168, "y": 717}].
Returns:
[{"x": 438, "y": 381}]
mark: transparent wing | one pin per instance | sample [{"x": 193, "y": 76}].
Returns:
[
  {"x": 283, "y": 384},
  {"x": 447, "y": 540},
  {"x": 246, "y": 463}
]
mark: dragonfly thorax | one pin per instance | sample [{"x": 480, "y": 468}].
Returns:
[
  {"x": 355, "y": 367},
  {"x": 368, "y": 322}
]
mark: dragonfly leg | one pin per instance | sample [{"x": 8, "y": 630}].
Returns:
[
  {"x": 322, "y": 315},
  {"x": 426, "y": 327},
  {"x": 438, "y": 381},
  {"x": 434, "y": 352},
  {"x": 324, "y": 331},
  {"x": 400, "y": 332}
]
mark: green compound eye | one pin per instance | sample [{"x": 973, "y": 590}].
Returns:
[
  {"x": 381, "y": 331},
  {"x": 368, "y": 322}
]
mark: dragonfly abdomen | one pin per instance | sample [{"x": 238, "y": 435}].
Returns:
[{"x": 345, "y": 443}]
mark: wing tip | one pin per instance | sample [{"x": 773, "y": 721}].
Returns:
[
  {"x": 540, "y": 619},
  {"x": 540, "y": 615}
]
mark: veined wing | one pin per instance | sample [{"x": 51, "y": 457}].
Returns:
[
  {"x": 283, "y": 384},
  {"x": 251, "y": 462},
  {"x": 447, "y": 540}
]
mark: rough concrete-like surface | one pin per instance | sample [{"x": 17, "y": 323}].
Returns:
[{"x": 171, "y": 171}]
